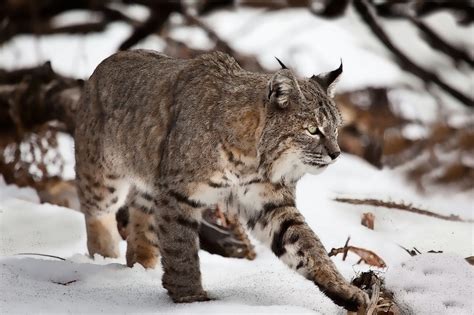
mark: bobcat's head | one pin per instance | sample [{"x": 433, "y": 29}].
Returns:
[{"x": 300, "y": 133}]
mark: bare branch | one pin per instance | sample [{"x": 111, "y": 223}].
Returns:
[
  {"x": 368, "y": 15},
  {"x": 158, "y": 17},
  {"x": 400, "y": 206}
]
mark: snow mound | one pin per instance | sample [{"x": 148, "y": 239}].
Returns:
[
  {"x": 424, "y": 284},
  {"x": 76, "y": 286},
  {"x": 433, "y": 284},
  {"x": 26, "y": 226}
]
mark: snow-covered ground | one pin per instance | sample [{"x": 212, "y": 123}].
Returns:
[{"x": 427, "y": 284}]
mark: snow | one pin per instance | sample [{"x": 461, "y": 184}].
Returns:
[
  {"x": 264, "y": 285},
  {"x": 27, "y": 227},
  {"x": 426, "y": 284},
  {"x": 433, "y": 284},
  {"x": 194, "y": 37},
  {"x": 69, "y": 55},
  {"x": 12, "y": 191},
  {"x": 66, "y": 150},
  {"x": 75, "y": 17},
  {"x": 112, "y": 287}
]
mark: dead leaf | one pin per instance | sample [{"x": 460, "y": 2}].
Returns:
[
  {"x": 366, "y": 256},
  {"x": 368, "y": 219}
]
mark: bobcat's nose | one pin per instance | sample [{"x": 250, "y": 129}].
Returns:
[{"x": 334, "y": 155}]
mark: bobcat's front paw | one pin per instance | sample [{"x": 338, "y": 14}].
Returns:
[
  {"x": 200, "y": 297},
  {"x": 351, "y": 298},
  {"x": 359, "y": 301}
]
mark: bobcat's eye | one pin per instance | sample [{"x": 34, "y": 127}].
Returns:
[{"x": 313, "y": 130}]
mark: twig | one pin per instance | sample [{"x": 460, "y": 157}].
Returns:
[
  {"x": 407, "y": 11},
  {"x": 330, "y": 9},
  {"x": 463, "y": 10},
  {"x": 375, "y": 296},
  {"x": 65, "y": 283},
  {"x": 249, "y": 62},
  {"x": 415, "y": 251},
  {"x": 43, "y": 255},
  {"x": 438, "y": 43},
  {"x": 401, "y": 206},
  {"x": 158, "y": 17},
  {"x": 381, "y": 300}
]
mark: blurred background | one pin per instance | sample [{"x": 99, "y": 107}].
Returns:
[
  {"x": 406, "y": 96},
  {"x": 406, "y": 93}
]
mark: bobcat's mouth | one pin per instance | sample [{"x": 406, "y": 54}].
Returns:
[
  {"x": 318, "y": 163},
  {"x": 318, "y": 166}
]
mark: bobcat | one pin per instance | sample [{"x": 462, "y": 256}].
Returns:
[{"x": 167, "y": 138}]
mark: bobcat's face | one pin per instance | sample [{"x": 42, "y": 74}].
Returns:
[{"x": 300, "y": 135}]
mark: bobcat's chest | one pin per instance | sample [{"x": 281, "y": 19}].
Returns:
[
  {"x": 231, "y": 189},
  {"x": 237, "y": 194},
  {"x": 237, "y": 184}
]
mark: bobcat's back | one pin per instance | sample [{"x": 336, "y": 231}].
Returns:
[{"x": 134, "y": 99}]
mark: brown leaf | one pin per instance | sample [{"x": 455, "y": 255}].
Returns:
[
  {"x": 368, "y": 220},
  {"x": 366, "y": 256}
]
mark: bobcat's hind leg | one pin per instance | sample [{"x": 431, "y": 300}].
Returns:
[
  {"x": 100, "y": 196},
  {"x": 142, "y": 238}
]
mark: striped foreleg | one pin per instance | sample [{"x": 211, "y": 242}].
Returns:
[
  {"x": 285, "y": 231},
  {"x": 178, "y": 226}
]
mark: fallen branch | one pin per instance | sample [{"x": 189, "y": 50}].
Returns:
[
  {"x": 401, "y": 206},
  {"x": 31, "y": 97},
  {"x": 42, "y": 255},
  {"x": 64, "y": 283}
]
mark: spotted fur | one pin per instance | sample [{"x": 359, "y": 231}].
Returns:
[{"x": 162, "y": 139}]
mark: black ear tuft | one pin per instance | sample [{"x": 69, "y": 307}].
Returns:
[
  {"x": 328, "y": 80},
  {"x": 281, "y": 63}
]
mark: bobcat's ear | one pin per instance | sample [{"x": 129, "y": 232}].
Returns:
[
  {"x": 328, "y": 80},
  {"x": 280, "y": 87}
]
